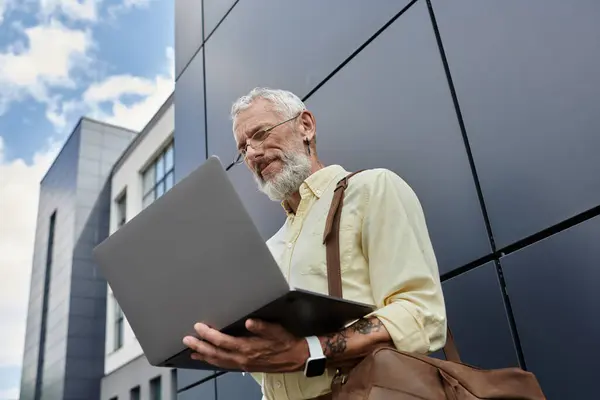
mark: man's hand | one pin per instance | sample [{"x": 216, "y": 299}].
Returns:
[{"x": 272, "y": 349}]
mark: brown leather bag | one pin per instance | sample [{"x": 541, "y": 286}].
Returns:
[{"x": 390, "y": 374}]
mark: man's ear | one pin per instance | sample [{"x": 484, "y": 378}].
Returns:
[{"x": 309, "y": 125}]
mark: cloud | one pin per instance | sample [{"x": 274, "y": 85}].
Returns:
[
  {"x": 53, "y": 53},
  {"x": 105, "y": 100},
  {"x": 125, "y": 6},
  {"x": 19, "y": 192},
  {"x": 86, "y": 10},
  {"x": 4, "y": 9},
  {"x": 10, "y": 394}
]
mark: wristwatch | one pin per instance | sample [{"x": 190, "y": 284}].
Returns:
[{"x": 315, "y": 365}]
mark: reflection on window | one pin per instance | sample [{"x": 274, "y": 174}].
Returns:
[
  {"x": 121, "y": 210},
  {"x": 155, "y": 389},
  {"x": 158, "y": 177},
  {"x": 119, "y": 328}
]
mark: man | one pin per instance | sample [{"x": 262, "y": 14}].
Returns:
[{"x": 385, "y": 251}]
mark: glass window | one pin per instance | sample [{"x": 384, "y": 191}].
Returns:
[
  {"x": 158, "y": 178},
  {"x": 169, "y": 159},
  {"x": 134, "y": 394},
  {"x": 149, "y": 180},
  {"x": 118, "y": 333},
  {"x": 160, "y": 189},
  {"x": 169, "y": 181},
  {"x": 160, "y": 168},
  {"x": 121, "y": 210},
  {"x": 155, "y": 389}
]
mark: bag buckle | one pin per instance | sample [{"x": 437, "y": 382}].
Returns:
[{"x": 340, "y": 378}]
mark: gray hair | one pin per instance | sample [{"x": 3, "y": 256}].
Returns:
[{"x": 285, "y": 103}]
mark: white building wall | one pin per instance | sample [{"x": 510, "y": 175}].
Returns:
[{"x": 128, "y": 178}]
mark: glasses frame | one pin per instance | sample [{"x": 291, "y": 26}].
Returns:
[{"x": 241, "y": 154}]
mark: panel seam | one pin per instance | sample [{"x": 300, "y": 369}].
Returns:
[
  {"x": 204, "y": 86},
  {"x": 359, "y": 49},
  {"x": 204, "y": 39},
  {"x": 499, "y": 273}
]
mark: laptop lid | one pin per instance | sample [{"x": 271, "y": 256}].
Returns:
[{"x": 192, "y": 255}]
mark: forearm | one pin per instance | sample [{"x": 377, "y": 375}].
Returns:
[{"x": 355, "y": 341}]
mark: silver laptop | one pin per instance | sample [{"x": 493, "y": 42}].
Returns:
[{"x": 195, "y": 255}]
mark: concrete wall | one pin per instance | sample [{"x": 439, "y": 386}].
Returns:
[
  {"x": 71, "y": 362},
  {"x": 489, "y": 110},
  {"x": 126, "y": 367},
  {"x": 127, "y": 178},
  {"x": 138, "y": 373}
]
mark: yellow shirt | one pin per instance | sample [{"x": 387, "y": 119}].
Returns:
[{"x": 386, "y": 259}]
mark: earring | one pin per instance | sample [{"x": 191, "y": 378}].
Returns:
[{"x": 307, "y": 146}]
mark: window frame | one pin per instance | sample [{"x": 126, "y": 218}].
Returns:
[
  {"x": 118, "y": 327},
  {"x": 159, "y": 181}
]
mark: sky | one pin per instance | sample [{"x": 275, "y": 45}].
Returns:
[{"x": 110, "y": 60}]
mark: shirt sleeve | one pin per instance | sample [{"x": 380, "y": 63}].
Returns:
[{"x": 402, "y": 266}]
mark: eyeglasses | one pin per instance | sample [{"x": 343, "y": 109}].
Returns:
[{"x": 259, "y": 138}]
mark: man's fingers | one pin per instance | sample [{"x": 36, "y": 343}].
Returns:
[
  {"x": 217, "y": 338},
  {"x": 264, "y": 329},
  {"x": 206, "y": 351}
]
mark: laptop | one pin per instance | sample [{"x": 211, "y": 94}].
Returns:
[{"x": 195, "y": 255}]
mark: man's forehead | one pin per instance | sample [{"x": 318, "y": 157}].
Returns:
[{"x": 259, "y": 112}]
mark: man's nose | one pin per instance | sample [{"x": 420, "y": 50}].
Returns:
[{"x": 254, "y": 154}]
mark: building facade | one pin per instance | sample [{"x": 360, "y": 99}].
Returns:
[
  {"x": 488, "y": 109},
  {"x": 144, "y": 172},
  {"x": 64, "y": 340}
]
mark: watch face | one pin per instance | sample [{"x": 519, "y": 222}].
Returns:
[{"x": 315, "y": 367}]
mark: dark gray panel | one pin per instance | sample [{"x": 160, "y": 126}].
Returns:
[
  {"x": 205, "y": 391},
  {"x": 187, "y": 377},
  {"x": 190, "y": 140},
  {"x": 244, "y": 53},
  {"x": 81, "y": 388},
  {"x": 477, "y": 317},
  {"x": 214, "y": 11},
  {"x": 390, "y": 107},
  {"x": 188, "y": 31},
  {"x": 553, "y": 286},
  {"x": 88, "y": 288},
  {"x": 235, "y": 386},
  {"x": 526, "y": 75}
]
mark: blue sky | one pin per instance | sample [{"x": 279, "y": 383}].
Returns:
[{"x": 60, "y": 59}]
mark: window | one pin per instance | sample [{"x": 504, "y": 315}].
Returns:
[
  {"x": 47, "y": 280},
  {"x": 155, "y": 389},
  {"x": 134, "y": 394},
  {"x": 121, "y": 210},
  {"x": 173, "y": 383},
  {"x": 159, "y": 176},
  {"x": 118, "y": 333}
]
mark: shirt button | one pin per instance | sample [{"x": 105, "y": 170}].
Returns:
[
  {"x": 289, "y": 245},
  {"x": 278, "y": 384},
  {"x": 318, "y": 192}
]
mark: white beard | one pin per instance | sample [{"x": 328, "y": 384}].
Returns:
[{"x": 296, "y": 168}]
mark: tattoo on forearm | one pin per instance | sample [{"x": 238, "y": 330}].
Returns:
[
  {"x": 366, "y": 326},
  {"x": 335, "y": 343}
]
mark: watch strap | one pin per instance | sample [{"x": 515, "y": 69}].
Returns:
[{"x": 314, "y": 347}]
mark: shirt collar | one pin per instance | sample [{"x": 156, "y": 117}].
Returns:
[{"x": 317, "y": 183}]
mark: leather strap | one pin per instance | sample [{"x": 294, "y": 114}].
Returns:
[
  {"x": 331, "y": 237},
  {"x": 331, "y": 240}
]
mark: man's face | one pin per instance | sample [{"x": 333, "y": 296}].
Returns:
[
  {"x": 279, "y": 163},
  {"x": 266, "y": 160}
]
